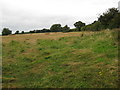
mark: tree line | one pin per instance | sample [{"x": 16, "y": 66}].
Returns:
[{"x": 108, "y": 20}]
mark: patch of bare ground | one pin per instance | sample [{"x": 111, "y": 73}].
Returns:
[
  {"x": 75, "y": 63},
  {"x": 37, "y": 68},
  {"x": 113, "y": 69},
  {"x": 30, "y": 50},
  {"x": 110, "y": 68},
  {"x": 99, "y": 55},
  {"x": 98, "y": 65},
  {"x": 10, "y": 85},
  {"x": 11, "y": 61},
  {"x": 9, "y": 78},
  {"x": 82, "y": 51}
]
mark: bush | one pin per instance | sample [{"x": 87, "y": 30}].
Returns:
[
  {"x": 115, "y": 22},
  {"x": 78, "y": 25},
  {"x": 65, "y": 29},
  {"x": 107, "y": 17},
  {"x": 6, "y": 31},
  {"x": 17, "y": 32},
  {"x": 73, "y": 30},
  {"x": 56, "y": 28},
  {"x": 96, "y": 26},
  {"x": 22, "y": 32}
]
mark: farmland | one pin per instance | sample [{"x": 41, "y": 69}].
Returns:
[{"x": 61, "y": 60}]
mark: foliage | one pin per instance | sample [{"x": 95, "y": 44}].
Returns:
[
  {"x": 22, "y": 32},
  {"x": 56, "y": 28},
  {"x": 96, "y": 26},
  {"x": 115, "y": 22},
  {"x": 110, "y": 19},
  {"x": 73, "y": 30},
  {"x": 32, "y": 31},
  {"x": 79, "y": 24},
  {"x": 17, "y": 32},
  {"x": 38, "y": 31},
  {"x": 65, "y": 28},
  {"x": 107, "y": 17},
  {"x": 45, "y": 30},
  {"x": 6, "y": 31}
]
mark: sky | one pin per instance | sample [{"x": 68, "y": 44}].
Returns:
[{"x": 26, "y": 15}]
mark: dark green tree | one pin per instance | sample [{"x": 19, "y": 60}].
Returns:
[
  {"x": 17, "y": 32},
  {"x": 66, "y": 28},
  {"x": 56, "y": 28},
  {"x": 6, "y": 31},
  {"x": 38, "y": 31},
  {"x": 115, "y": 22},
  {"x": 32, "y": 31},
  {"x": 22, "y": 32},
  {"x": 78, "y": 25},
  {"x": 107, "y": 17},
  {"x": 45, "y": 30}
]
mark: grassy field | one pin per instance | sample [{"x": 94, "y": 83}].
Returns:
[{"x": 61, "y": 60}]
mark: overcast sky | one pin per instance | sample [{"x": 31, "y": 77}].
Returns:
[{"x": 38, "y": 14}]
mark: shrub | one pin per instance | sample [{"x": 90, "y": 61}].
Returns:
[
  {"x": 6, "y": 31},
  {"x": 78, "y": 25},
  {"x": 96, "y": 26}
]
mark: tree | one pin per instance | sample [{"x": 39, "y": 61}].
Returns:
[
  {"x": 45, "y": 30},
  {"x": 56, "y": 28},
  {"x": 6, "y": 31},
  {"x": 115, "y": 22},
  {"x": 17, "y": 32},
  {"x": 22, "y": 32},
  {"x": 38, "y": 31},
  {"x": 79, "y": 24},
  {"x": 66, "y": 28},
  {"x": 107, "y": 17},
  {"x": 32, "y": 31}
]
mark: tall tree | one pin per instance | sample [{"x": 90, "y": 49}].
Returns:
[
  {"x": 115, "y": 22},
  {"x": 79, "y": 24},
  {"x": 107, "y": 17},
  {"x": 17, "y": 32},
  {"x": 66, "y": 28},
  {"x": 6, "y": 31},
  {"x": 45, "y": 30},
  {"x": 56, "y": 28},
  {"x": 22, "y": 32}
]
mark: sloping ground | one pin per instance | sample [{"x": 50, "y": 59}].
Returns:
[{"x": 61, "y": 60}]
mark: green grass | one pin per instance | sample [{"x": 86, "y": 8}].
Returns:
[{"x": 75, "y": 62}]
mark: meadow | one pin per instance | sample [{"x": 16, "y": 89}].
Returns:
[{"x": 61, "y": 60}]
